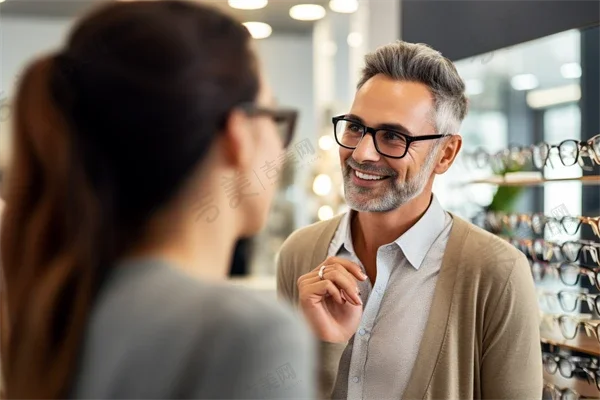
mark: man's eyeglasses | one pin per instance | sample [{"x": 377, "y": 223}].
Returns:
[
  {"x": 284, "y": 118},
  {"x": 388, "y": 143}
]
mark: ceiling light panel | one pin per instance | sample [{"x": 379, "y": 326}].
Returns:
[{"x": 307, "y": 12}]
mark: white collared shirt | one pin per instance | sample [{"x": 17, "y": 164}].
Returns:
[{"x": 379, "y": 358}]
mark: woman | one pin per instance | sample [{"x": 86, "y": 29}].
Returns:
[{"x": 128, "y": 189}]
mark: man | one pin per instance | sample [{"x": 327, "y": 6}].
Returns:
[{"x": 408, "y": 300}]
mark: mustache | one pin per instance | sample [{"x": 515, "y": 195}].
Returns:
[{"x": 352, "y": 163}]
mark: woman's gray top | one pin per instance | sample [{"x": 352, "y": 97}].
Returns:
[{"x": 155, "y": 333}]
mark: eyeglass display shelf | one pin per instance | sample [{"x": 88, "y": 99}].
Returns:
[
  {"x": 580, "y": 385},
  {"x": 581, "y": 343},
  {"x": 532, "y": 181}
]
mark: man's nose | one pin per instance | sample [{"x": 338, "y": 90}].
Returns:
[{"x": 365, "y": 150}]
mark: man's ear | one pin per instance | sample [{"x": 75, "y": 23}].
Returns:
[
  {"x": 238, "y": 141},
  {"x": 449, "y": 151}
]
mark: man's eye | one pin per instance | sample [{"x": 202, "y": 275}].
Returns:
[
  {"x": 391, "y": 136},
  {"x": 354, "y": 127}
]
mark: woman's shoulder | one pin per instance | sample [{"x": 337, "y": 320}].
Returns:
[
  {"x": 153, "y": 321},
  {"x": 154, "y": 293}
]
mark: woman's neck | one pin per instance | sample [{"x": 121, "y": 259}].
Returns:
[{"x": 198, "y": 246}]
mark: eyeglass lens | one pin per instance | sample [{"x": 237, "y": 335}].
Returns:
[
  {"x": 349, "y": 134},
  {"x": 568, "y": 152},
  {"x": 568, "y": 300},
  {"x": 568, "y": 326},
  {"x": 540, "y": 155}
]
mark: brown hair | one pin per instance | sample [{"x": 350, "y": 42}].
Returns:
[{"x": 163, "y": 83}]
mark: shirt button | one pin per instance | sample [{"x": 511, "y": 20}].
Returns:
[
  {"x": 355, "y": 379},
  {"x": 362, "y": 331},
  {"x": 390, "y": 247}
]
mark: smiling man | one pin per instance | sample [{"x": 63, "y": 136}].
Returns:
[{"x": 397, "y": 289}]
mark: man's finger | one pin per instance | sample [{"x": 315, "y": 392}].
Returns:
[
  {"x": 341, "y": 279},
  {"x": 321, "y": 289},
  {"x": 351, "y": 267}
]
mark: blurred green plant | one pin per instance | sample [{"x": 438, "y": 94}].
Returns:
[{"x": 506, "y": 196}]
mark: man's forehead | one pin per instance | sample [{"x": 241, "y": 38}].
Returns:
[{"x": 382, "y": 98}]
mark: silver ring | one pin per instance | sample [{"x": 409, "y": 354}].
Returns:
[{"x": 321, "y": 271}]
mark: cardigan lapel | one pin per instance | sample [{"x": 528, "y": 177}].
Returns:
[
  {"x": 439, "y": 316},
  {"x": 324, "y": 239}
]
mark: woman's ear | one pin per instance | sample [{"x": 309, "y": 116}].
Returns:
[
  {"x": 449, "y": 152},
  {"x": 238, "y": 141}
]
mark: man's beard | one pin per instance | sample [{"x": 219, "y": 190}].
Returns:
[{"x": 396, "y": 193}]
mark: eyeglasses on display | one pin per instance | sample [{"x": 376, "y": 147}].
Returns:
[
  {"x": 569, "y": 273},
  {"x": 568, "y": 366},
  {"x": 512, "y": 158},
  {"x": 569, "y": 325},
  {"x": 495, "y": 222},
  {"x": 543, "y": 250},
  {"x": 570, "y": 152},
  {"x": 570, "y": 300},
  {"x": 552, "y": 392}
]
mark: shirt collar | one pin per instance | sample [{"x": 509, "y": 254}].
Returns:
[
  {"x": 343, "y": 235},
  {"x": 415, "y": 243}
]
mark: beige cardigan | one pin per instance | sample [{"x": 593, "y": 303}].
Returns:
[{"x": 482, "y": 337}]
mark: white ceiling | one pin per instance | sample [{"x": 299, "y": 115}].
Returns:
[{"x": 275, "y": 14}]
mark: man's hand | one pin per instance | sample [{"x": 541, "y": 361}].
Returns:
[{"x": 332, "y": 305}]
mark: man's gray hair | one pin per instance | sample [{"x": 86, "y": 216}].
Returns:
[{"x": 417, "y": 62}]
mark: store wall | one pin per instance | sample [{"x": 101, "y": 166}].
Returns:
[
  {"x": 23, "y": 39},
  {"x": 287, "y": 60},
  {"x": 464, "y": 28},
  {"x": 20, "y": 40}
]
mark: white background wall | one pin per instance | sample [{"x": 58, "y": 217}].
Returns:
[
  {"x": 288, "y": 63},
  {"x": 21, "y": 40},
  {"x": 287, "y": 60}
]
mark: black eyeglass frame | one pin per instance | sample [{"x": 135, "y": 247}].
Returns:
[
  {"x": 287, "y": 116},
  {"x": 372, "y": 131}
]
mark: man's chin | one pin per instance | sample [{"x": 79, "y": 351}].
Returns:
[{"x": 365, "y": 203}]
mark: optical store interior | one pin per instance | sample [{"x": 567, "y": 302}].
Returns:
[{"x": 529, "y": 168}]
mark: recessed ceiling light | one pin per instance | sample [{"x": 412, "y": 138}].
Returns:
[
  {"x": 344, "y": 6},
  {"x": 248, "y": 4},
  {"x": 259, "y": 30},
  {"x": 524, "y": 82},
  {"x": 571, "y": 70},
  {"x": 307, "y": 12}
]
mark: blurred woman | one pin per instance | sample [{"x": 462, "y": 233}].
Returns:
[{"x": 135, "y": 147}]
